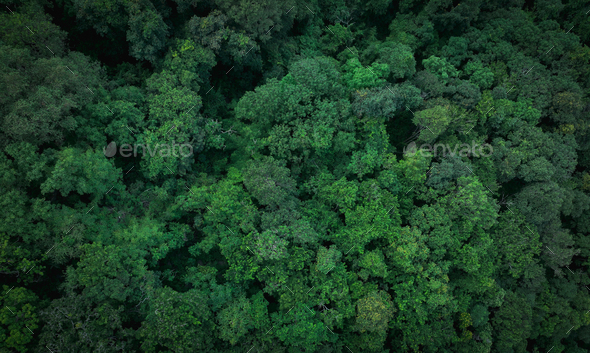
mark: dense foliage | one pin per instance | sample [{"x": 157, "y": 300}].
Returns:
[{"x": 288, "y": 176}]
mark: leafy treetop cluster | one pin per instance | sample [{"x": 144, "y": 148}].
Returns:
[{"x": 297, "y": 223}]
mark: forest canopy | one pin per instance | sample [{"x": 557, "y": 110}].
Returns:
[{"x": 286, "y": 176}]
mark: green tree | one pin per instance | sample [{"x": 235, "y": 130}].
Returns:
[
  {"x": 269, "y": 181},
  {"x": 178, "y": 321},
  {"x": 147, "y": 32},
  {"x": 479, "y": 75},
  {"x": 327, "y": 259},
  {"x": 74, "y": 324},
  {"x": 42, "y": 105},
  {"x": 373, "y": 315},
  {"x": 240, "y": 316},
  {"x": 109, "y": 272},
  {"x": 441, "y": 68},
  {"x": 43, "y": 34},
  {"x": 18, "y": 317},
  {"x": 434, "y": 120},
  {"x": 86, "y": 172},
  {"x": 357, "y": 77},
  {"x": 398, "y": 57},
  {"x": 512, "y": 323}
]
